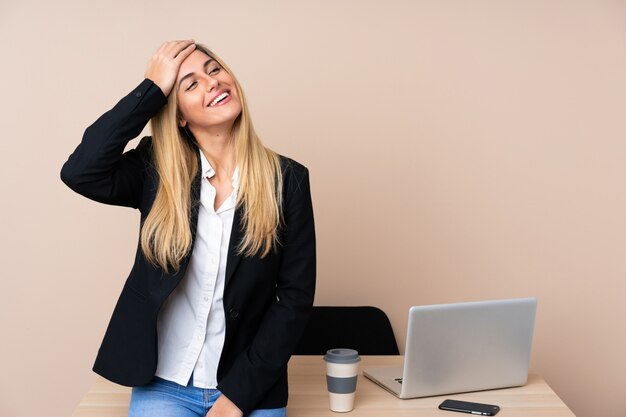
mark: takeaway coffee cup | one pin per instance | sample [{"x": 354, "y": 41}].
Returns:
[{"x": 342, "y": 368}]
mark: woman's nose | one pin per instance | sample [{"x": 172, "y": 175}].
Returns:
[{"x": 211, "y": 83}]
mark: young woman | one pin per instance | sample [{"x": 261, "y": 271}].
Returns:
[{"x": 224, "y": 275}]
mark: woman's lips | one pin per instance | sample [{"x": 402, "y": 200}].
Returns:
[
  {"x": 224, "y": 101},
  {"x": 223, "y": 96}
]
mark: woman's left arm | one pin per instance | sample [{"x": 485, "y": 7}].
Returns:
[{"x": 258, "y": 368}]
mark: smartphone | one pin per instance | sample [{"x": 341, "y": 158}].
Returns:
[{"x": 471, "y": 408}]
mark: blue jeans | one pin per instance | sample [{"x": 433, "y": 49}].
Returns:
[{"x": 163, "y": 398}]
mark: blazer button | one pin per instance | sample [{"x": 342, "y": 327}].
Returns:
[
  {"x": 233, "y": 313},
  {"x": 138, "y": 94}
]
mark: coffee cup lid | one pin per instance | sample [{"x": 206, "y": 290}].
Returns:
[{"x": 342, "y": 355}]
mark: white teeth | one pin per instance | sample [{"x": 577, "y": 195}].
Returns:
[{"x": 218, "y": 98}]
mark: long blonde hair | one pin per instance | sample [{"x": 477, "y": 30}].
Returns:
[{"x": 166, "y": 236}]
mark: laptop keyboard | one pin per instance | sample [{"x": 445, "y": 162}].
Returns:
[{"x": 399, "y": 380}]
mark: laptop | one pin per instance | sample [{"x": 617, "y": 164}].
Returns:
[{"x": 453, "y": 348}]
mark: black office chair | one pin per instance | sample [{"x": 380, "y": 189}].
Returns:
[{"x": 365, "y": 329}]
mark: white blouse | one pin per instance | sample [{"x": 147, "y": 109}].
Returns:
[{"x": 191, "y": 323}]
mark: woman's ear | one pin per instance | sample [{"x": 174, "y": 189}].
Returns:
[{"x": 182, "y": 122}]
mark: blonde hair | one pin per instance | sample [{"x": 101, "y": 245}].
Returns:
[{"x": 166, "y": 236}]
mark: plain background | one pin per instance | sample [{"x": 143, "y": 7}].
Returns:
[{"x": 459, "y": 151}]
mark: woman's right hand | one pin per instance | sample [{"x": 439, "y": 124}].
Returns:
[{"x": 163, "y": 66}]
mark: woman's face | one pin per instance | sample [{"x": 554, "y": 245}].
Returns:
[{"x": 206, "y": 94}]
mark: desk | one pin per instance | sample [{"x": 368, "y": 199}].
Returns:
[{"x": 308, "y": 396}]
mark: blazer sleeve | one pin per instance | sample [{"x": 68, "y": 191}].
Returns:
[
  {"x": 259, "y": 366},
  {"x": 99, "y": 168}
]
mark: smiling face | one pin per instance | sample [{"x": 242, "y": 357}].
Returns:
[{"x": 206, "y": 94}]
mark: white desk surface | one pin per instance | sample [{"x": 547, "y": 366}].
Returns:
[{"x": 308, "y": 396}]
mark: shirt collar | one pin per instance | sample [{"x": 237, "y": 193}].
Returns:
[{"x": 209, "y": 172}]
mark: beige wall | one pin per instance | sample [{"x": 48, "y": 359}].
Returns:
[{"x": 459, "y": 150}]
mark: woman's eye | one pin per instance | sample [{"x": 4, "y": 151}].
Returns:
[
  {"x": 214, "y": 70},
  {"x": 192, "y": 85}
]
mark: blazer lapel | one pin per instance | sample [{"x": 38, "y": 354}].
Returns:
[
  {"x": 236, "y": 235},
  {"x": 196, "y": 185}
]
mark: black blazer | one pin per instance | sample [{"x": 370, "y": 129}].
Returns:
[{"x": 267, "y": 301}]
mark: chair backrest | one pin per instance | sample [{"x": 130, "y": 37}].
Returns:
[{"x": 366, "y": 329}]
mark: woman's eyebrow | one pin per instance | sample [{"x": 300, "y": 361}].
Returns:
[{"x": 206, "y": 64}]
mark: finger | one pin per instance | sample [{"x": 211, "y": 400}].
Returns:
[
  {"x": 173, "y": 48},
  {"x": 166, "y": 46},
  {"x": 185, "y": 53}
]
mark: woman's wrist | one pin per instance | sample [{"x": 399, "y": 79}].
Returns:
[{"x": 224, "y": 407}]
